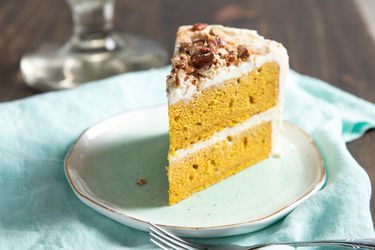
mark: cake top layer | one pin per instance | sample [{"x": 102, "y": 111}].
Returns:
[{"x": 204, "y": 53}]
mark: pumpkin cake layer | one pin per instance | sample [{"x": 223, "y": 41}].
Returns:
[
  {"x": 223, "y": 106},
  {"x": 209, "y": 165}
]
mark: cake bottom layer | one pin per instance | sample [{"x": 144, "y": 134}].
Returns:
[{"x": 208, "y": 166}]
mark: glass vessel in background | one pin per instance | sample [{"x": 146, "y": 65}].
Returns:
[{"x": 94, "y": 52}]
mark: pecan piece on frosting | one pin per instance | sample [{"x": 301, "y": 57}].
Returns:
[
  {"x": 199, "y": 26},
  {"x": 183, "y": 47},
  {"x": 189, "y": 69},
  {"x": 212, "y": 43},
  {"x": 202, "y": 60},
  {"x": 242, "y": 52},
  {"x": 230, "y": 58},
  {"x": 202, "y": 50}
]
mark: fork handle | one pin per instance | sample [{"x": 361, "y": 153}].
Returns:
[{"x": 348, "y": 243}]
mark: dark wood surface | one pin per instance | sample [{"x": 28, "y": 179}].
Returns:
[{"x": 325, "y": 38}]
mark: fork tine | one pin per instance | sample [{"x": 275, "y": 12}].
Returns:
[
  {"x": 159, "y": 244},
  {"x": 156, "y": 234},
  {"x": 164, "y": 242},
  {"x": 171, "y": 236}
]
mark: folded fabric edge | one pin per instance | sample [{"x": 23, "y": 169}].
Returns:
[{"x": 358, "y": 114}]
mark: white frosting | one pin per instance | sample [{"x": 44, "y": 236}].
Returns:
[
  {"x": 186, "y": 90},
  {"x": 268, "y": 51},
  {"x": 272, "y": 114}
]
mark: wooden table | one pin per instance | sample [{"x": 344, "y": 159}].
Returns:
[{"x": 325, "y": 38}]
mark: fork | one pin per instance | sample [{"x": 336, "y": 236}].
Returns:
[{"x": 167, "y": 240}]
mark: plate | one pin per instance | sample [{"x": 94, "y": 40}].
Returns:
[{"x": 105, "y": 163}]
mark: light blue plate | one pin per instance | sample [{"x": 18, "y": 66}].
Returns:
[{"x": 106, "y": 161}]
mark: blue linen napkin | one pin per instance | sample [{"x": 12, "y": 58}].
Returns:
[{"x": 38, "y": 209}]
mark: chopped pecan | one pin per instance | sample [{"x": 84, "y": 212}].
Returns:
[
  {"x": 183, "y": 47},
  {"x": 199, "y": 26},
  {"x": 177, "y": 81},
  {"x": 170, "y": 79},
  {"x": 212, "y": 43},
  {"x": 202, "y": 50},
  {"x": 242, "y": 52},
  {"x": 202, "y": 60},
  {"x": 194, "y": 50},
  {"x": 230, "y": 58},
  {"x": 202, "y": 57},
  {"x": 189, "y": 69}
]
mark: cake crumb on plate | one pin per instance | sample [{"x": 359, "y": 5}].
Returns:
[{"x": 141, "y": 181}]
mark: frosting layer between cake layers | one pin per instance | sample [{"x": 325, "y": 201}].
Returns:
[{"x": 272, "y": 115}]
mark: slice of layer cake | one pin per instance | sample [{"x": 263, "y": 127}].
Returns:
[{"x": 224, "y": 104}]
